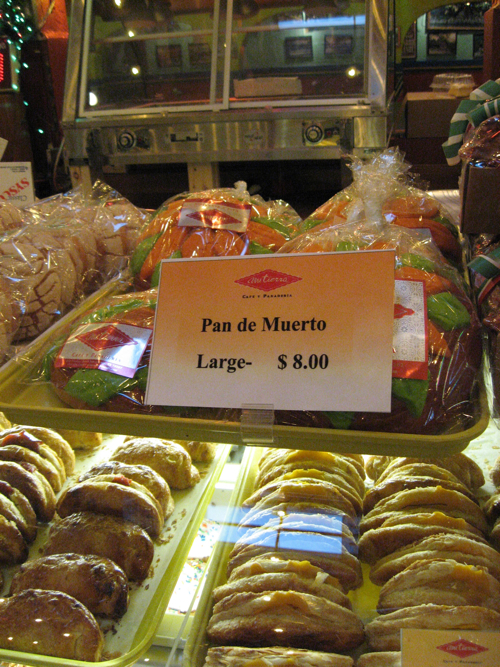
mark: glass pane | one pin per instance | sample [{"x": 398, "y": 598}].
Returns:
[
  {"x": 148, "y": 53},
  {"x": 315, "y": 51}
]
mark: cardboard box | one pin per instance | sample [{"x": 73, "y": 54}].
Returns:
[
  {"x": 480, "y": 200},
  {"x": 429, "y": 114}
]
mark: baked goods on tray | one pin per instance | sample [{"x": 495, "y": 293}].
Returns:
[
  {"x": 275, "y": 656},
  {"x": 97, "y": 582}
]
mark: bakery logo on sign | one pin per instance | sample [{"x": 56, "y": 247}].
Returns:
[
  {"x": 267, "y": 280},
  {"x": 462, "y": 648},
  {"x": 105, "y": 337}
]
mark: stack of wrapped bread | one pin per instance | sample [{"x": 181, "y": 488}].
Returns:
[{"x": 57, "y": 251}]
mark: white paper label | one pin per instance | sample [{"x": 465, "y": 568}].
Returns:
[
  {"x": 16, "y": 183},
  {"x": 410, "y": 330}
]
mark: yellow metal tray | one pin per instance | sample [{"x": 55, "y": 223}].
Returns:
[
  {"x": 364, "y": 600},
  {"x": 37, "y": 404},
  {"x": 129, "y": 638}
]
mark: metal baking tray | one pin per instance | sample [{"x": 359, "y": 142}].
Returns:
[
  {"x": 25, "y": 401},
  {"x": 129, "y": 638}
]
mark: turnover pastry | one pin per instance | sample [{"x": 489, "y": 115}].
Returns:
[
  {"x": 274, "y": 656},
  {"x": 15, "y": 507},
  {"x": 401, "y": 530},
  {"x": 412, "y": 476},
  {"x": 115, "y": 495},
  {"x": 284, "y": 618},
  {"x": 328, "y": 461},
  {"x": 49, "y": 623},
  {"x": 426, "y": 499},
  {"x": 312, "y": 491},
  {"x": 383, "y": 632},
  {"x": 52, "y": 439},
  {"x": 380, "y": 659},
  {"x": 96, "y": 582},
  {"x": 202, "y": 452},
  {"x": 168, "y": 458},
  {"x": 328, "y": 552},
  {"x": 13, "y": 546},
  {"x": 461, "y": 465},
  {"x": 270, "y": 574},
  {"x": 22, "y": 447},
  {"x": 87, "y": 440},
  {"x": 123, "y": 542},
  {"x": 458, "y": 547},
  {"x": 440, "y": 581},
  {"x": 31, "y": 483},
  {"x": 141, "y": 474}
]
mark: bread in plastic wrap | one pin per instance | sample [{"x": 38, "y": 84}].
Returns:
[{"x": 212, "y": 223}]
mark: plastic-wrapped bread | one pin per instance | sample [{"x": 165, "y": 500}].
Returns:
[
  {"x": 211, "y": 223},
  {"x": 49, "y": 623},
  {"x": 96, "y": 582},
  {"x": 11, "y": 217}
]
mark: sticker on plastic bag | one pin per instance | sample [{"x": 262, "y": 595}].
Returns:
[
  {"x": 215, "y": 213},
  {"x": 410, "y": 330},
  {"x": 116, "y": 348}
]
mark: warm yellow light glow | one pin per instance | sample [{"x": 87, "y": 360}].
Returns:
[
  {"x": 131, "y": 33},
  {"x": 92, "y": 99},
  {"x": 135, "y": 71}
]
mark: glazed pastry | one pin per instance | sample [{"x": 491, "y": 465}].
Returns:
[
  {"x": 495, "y": 473},
  {"x": 67, "y": 629},
  {"x": 144, "y": 475},
  {"x": 344, "y": 484},
  {"x": 440, "y": 581},
  {"x": 25, "y": 449},
  {"x": 458, "y": 547},
  {"x": 13, "y": 546},
  {"x": 380, "y": 659},
  {"x": 289, "y": 459},
  {"x": 123, "y": 542},
  {"x": 301, "y": 490},
  {"x": 427, "y": 499},
  {"x": 401, "y": 530},
  {"x": 15, "y": 507},
  {"x": 462, "y": 466},
  {"x": 169, "y": 459},
  {"x": 383, "y": 632},
  {"x": 32, "y": 484},
  {"x": 53, "y": 440},
  {"x": 266, "y": 574},
  {"x": 117, "y": 496},
  {"x": 305, "y": 621},
  {"x": 412, "y": 476},
  {"x": 491, "y": 507},
  {"x": 275, "y": 656},
  {"x": 328, "y": 553},
  {"x": 81, "y": 439},
  {"x": 96, "y": 582},
  {"x": 4, "y": 421}
]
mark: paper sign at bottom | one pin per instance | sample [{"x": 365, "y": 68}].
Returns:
[{"x": 449, "y": 648}]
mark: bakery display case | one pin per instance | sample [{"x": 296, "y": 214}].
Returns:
[{"x": 201, "y": 83}]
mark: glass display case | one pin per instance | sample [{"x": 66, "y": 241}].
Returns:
[{"x": 202, "y": 82}]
